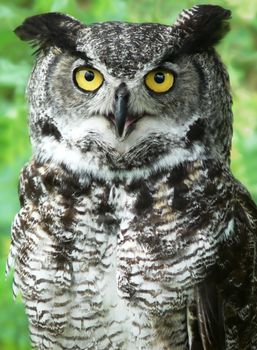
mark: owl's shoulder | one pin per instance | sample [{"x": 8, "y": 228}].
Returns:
[{"x": 225, "y": 301}]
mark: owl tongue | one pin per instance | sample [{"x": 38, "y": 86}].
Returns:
[{"x": 130, "y": 120}]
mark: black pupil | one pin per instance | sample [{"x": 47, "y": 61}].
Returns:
[
  {"x": 159, "y": 78},
  {"x": 89, "y": 75}
]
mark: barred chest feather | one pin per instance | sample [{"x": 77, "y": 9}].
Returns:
[{"x": 113, "y": 264}]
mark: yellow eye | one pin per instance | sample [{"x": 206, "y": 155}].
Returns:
[
  {"x": 88, "y": 79},
  {"x": 159, "y": 80}
]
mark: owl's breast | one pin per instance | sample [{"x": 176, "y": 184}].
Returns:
[
  {"x": 171, "y": 228},
  {"x": 101, "y": 264},
  {"x": 151, "y": 266},
  {"x": 111, "y": 320}
]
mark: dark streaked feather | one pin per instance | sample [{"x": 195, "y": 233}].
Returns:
[
  {"x": 50, "y": 29},
  {"x": 195, "y": 341},
  {"x": 210, "y": 316},
  {"x": 203, "y": 27}
]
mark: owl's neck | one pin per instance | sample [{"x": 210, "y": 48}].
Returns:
[{"x": 108, "y": 165}]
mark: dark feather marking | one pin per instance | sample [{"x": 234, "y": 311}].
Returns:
[
  {"x": 134, "y": 185},
  {"x": 144, "y": 200},
  {"x": 210, "y": 189},
  {"x": 68, "y": 217},
  {"x": 50, "y": 180},
  {"x": 195, "y": 132},
  {"x": 61, "y": 256},
  {"x": 104, "y": 205},
  {"x": 177, "y": 174},
  {"x": 104, "y": 211},
  {"x": 214, "y": 169},
  {"x": 49, "y": 129},
  {"x": 65, "y": 184},
  {"x": 179, "y": 201},
  {"x": 202, "y": 80},
  {"x": 33, "y": 189}
]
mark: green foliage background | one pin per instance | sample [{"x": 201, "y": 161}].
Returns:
[{"x": 238, "y": 50}]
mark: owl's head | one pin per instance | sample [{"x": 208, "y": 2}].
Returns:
[{"x": 128, "y": 97}]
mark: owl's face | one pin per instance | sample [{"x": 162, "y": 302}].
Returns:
[
  {"x": 126, "y": 97},
  {"x": 122, "y": 103}
]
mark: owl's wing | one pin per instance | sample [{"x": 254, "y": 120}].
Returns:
[
  {"x": 226, "y": 302},
  {"x": 25, "y": 220},
  {"x": 210, "y": 316},
  {"x": 17, "y": 231},
  {"x": 205, "y": 320}
]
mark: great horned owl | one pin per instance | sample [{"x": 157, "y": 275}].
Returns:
[{"x": 133, "y": 233}]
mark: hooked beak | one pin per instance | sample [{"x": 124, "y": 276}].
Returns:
[{"x": 121, "y": 108}]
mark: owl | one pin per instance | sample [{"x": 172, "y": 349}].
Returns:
[{"x": 133, "y": 232}]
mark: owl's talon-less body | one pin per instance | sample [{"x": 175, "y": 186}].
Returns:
[{"x": 133, "y": 233}]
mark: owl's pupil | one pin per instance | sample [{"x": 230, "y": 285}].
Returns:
[
  {"x": 89, "y": 75},
  {"x": 159, "y": 78}
]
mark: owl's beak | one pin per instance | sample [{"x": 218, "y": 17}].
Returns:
[{"x": 121, "y": 108}]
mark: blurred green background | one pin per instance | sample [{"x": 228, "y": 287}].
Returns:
[{"x": 238, "y": 50}]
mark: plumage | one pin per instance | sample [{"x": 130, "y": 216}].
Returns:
[{"x": 132, "y": 232}]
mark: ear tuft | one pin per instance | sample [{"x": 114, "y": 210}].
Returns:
[
  {"x": 49, "y": 29},
  {"x": 202, "y": 27}
]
